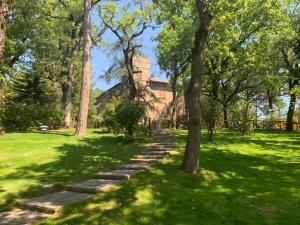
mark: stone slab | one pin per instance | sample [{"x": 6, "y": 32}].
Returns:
[
  {"x": 52, "y": 203},
  {"x": 149, "y": 156},
  {"x": 134, "y": 166},
  {"x": 156, "y": 152},
  {"x": 117, "y": 174},
  {"x": 166, "y": 145},
  {"x": 164, "y": 149},
  {"x": 21, "y": 217},
  {"x": 145, "y": 160},
  {"x": 92, "y": 186},
  {"x": 164, "y": 142}
]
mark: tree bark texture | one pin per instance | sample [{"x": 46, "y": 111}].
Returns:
[
  {"x": 290, "y": 114},
  {"x": 67, "y": 102},
  {"x": 5, "y": 7},
  {"x": 225, "y": 116},
  {"x": 86, "y": 71},
  {"x": 293, "y": 98},
  {"x": 128, "y": 56},
  {"x": 174, "y": 101},
  {"x": 191, "y": 157}
]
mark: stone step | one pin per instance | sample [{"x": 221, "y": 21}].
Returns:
[
  {"x": 92, "y": 186},
  {"x": 117, "y": 174},
  {"x": 149, "y": 156},
  {"x": 156, "y": 152},
  {"x": 21, "y": 217},
  {"x": 165, "y": 145},
  {"x": 162, "y": 149},
  {"x": 164, "y": 138},
  {"x": 52, "y": 203},
  {"x": 144, "y": 160},
  {"x": 166, "y": 148},
  {"x": 134, "y": 166},
  {"x": 164, "y": 142}
]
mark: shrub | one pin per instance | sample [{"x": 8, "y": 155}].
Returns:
[
  {"x": 211, "y": 110},
  {"x": 123, "y": 116},
  {"x": 23, "y": 117}
]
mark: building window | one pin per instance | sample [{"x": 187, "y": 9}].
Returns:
[{"x": 162, "y": 94}]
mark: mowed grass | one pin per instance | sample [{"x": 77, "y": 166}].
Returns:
[
  {"x": 32, "y": 164},
  {"x": 253, "y": 180}
]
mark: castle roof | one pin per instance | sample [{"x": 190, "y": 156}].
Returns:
[{"x": 155, "y": 79}]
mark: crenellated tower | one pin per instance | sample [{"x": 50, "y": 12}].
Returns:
[{"x": 142, "y": 69}]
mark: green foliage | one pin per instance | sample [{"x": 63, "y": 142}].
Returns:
[
  {"x": 127, "y": 21},
  {"x": 109, "y": 115},
  {"x": 23, "y": 117},
  {"x": 93, "y": 118},
  {"x": 244, "y": 47},
  {"x": 33, "y": 102},
  {"x": 128, "y": 114},
  {"x": 123, "y": 116},
  {"x": 210, "y": 111}
]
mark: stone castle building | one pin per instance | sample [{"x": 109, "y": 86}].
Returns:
[{"x": 158, "y": 92}]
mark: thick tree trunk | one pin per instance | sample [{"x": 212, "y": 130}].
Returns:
[
  {"x": 67, "y": 89},
  {"x": 174, "y": 102},
  {"x": 186, "y": 107},
  {"x": 129, "y": 67},
  {"x": 270, "y": 99},
  {"x": 225, "y": 116},
  {"x": 271, "y": 106},
  {"x": 67, "y": 102},
  {"x": 5, "y": 7},
  {"x": 290, "y": 114},
  {"x": 191, "y": 157},
  {"x": 210, "y": 130},
  {"x": 86, "y": 71}
]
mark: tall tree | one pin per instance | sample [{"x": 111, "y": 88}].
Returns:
[
  {"x": 191, "y": 157},
  {"x": 5, "y": 6},
  {"x": 86, "y": 70},
  {"x": 128, "y": 22},
  {"x": 73, "y": 16},
  {"x": 174, "y": 54}
]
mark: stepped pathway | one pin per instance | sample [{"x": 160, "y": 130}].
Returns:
[{"x": 33, "y": 210}]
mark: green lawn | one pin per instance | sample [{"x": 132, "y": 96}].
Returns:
[
  {"x": 248, "y": 180},
  {"x": 32, "y": 164}
]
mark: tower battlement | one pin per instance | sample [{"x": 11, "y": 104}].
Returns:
[{"x": 142, "y": 66}]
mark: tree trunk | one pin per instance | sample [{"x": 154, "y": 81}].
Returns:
[
  {"x": 5, "y": 7},
  {"x": 86, "y": 71},
  {"x": 129, "y": 67},
  {"x": 271, "y": 107},
  {"x": 191, "y": 157},
  {"x": 186, "y": 108},
  {"x": 210, "y": 130},
  {"x": 67, "y": 102},
  {"x": 225, "y": 116},
  {"x": 270, "y": 99},
  {"x": 290, "y": 114},
  {"x": 174, "y": 103},
  {"x": 67, "y": 89}
]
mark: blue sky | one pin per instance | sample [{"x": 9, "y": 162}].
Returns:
[{"x": 101, "y": 61}]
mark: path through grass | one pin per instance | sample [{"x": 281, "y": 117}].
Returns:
[
  {"x": 249, "y": 180},
  {"x": 32, "y": 164}
]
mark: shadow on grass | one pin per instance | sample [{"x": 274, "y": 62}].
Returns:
[
  {"x": 238, "y": 189},
  {"x": 75, "y": 162}
]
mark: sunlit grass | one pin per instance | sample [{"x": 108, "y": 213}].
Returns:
[
  {"x": 247, "y": 180},
  {"x": 32, "y": 164}
]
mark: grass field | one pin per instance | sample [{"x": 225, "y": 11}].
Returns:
[
  {"x": 253, "y": 180},
  {"x": 32, "y": 164}
]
